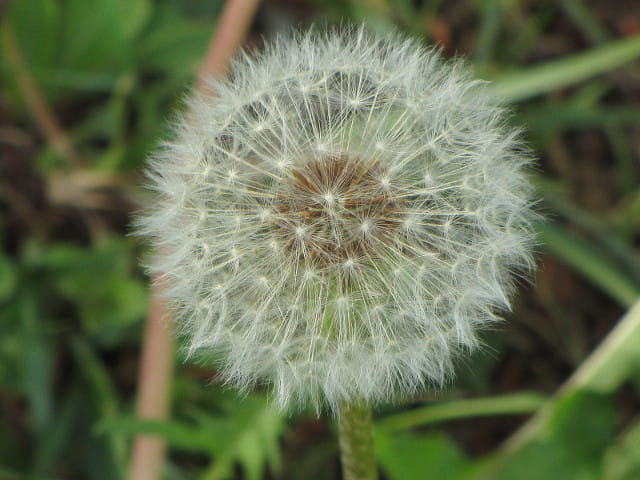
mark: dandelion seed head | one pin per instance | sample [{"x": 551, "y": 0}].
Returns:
[{"x": 341, "y": 219}]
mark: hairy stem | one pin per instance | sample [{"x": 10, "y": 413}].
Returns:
[{"x": 356, "y": 442}]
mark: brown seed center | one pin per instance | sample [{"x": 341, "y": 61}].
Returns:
[{"x": 337, "y": 210}]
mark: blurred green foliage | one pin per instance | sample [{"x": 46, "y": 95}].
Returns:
[
  {"x": 245, "y": 432},
  {"x": 72, "y": 310}
]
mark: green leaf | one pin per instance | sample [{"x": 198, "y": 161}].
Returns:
[
  {"x": 8, "y": 277},
  {"x": 249, "y": 437},
  {"x": 103, "y": 394},
  {"x": 7, "y": 474},
  {"x": 549, "y": 119},
  {"x": 622, "y": 461},
  {"x": 35, "y": 24},
  {"x": 585, "y": 421},
  {"x": 510, "y": 404},
  {"x": 578, "y": 432},
  {"x": 98, "y": 35},
  {"x": 247, "y": 434},
  {"x": 72, "y": 78},
  {"x": 29, "y": 41},
  {"x": 178, "y": 435},
  {"x": 405, "y": 456},
  {"x": 133, "y": 15},
  {"x": 491, "y": 13},
  {"x": 173, "y": 44},
  {"x": 116, "y": 299},
  {"x": 615, "y": 360},
  {"x": 36, "y": 362},
  {"x": 548, "y": 460},
  {"x": 59, "y": 436},
  {"x": 539, "y": 79},
  {"x": 584, "y": 17},
  {"x": 76, "y": 44}
]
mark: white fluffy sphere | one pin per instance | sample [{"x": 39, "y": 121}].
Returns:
[{"x": 341, "y": 218}]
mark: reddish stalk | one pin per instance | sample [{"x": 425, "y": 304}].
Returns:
[
  {"x": 232, "y": 29},
  {"x": 154, "y": 385},
  {"x": 156, "y": 365}
]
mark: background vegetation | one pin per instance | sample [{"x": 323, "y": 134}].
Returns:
[{"x": 73, "y": 299}]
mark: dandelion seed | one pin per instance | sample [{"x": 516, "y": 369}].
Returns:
[{"x": 363, "y": 207}]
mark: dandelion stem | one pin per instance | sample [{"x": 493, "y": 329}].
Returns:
[{"x": 356, "y": 442}]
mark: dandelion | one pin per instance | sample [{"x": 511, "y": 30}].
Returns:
[{"x": 341, "y": 219}]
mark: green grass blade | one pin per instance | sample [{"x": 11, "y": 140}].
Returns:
[
  {"x": 103, "y": 394},
  {"x": 511, "y": 404},
  {"x": 589, "y": 262},
  {"x": 616, "y": 246},
  {"x": 549, "y": 119},
  {"x": 611, "y": 363},
  {"x": 491, "y": 21},
  {"x": 583, "y": 16},
  {"x": 625, "y": 157},
  {"x": 179, "y": 435},
  {"x": 539, "y": 79}
]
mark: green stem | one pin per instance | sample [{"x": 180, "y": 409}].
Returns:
[{"x": 356, "y": 442}]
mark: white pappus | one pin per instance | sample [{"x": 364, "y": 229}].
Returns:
[{"x": 341, "y": 218}]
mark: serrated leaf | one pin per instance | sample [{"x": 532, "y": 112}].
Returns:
[
  {"x": 249, "y": 437},
  {"x": 246, "y": 435}
]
